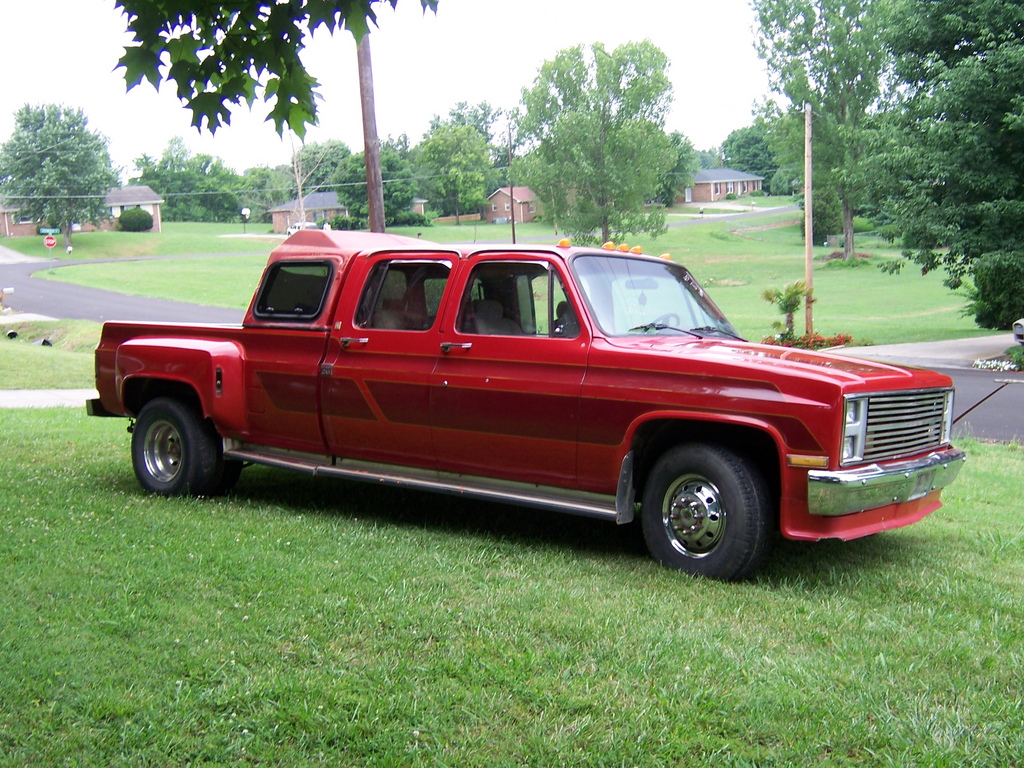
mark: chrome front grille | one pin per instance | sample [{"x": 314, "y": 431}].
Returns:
[{"x": 904, "y": 423}]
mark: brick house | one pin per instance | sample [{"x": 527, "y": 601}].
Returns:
[
  {"x": 315, "y": 206},
  {"x": 119, "y": 199},
  {"x": 716, "y": 183},
  {"x": 501, "y": 207},
  {"x": 138, "y": 196}
]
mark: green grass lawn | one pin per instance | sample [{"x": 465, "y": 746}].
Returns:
[
  {"x": 736, "y": 260},
  {"x": 302, "y": 621},
  {"x": 67, "y": 363}
]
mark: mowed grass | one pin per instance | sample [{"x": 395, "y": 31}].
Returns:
[
  {"x": 311, "y": 622},
  {"x": 736, "y": 260},
  {"x": 176, "y": 239},
  {"x": 65, "y": 363}
]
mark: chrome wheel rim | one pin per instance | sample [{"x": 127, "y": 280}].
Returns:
[
  {"x": 162, "y": 451},
  {"x": 693, "y": 516}
]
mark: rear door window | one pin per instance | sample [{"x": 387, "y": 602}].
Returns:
[{"x": 294, "y": 291}]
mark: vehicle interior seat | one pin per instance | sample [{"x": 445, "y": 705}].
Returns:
[{"x": 490, "y": 319}]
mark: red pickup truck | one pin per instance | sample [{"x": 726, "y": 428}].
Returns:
[{"x": 592, "y": 381}]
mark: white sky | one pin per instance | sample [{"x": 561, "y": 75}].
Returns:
[{"x": 64, "y": 52}]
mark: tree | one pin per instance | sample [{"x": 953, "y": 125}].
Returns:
[
  {"x": 828, "y": 53},
  {"x": 54, "y": 169},
  {"x": 596, "y": 126},
  {"x": 747, "y": 149},
  {"x": 710, "y": 158},
  {"x": 221, "y": 54},
  {"x": 954, "y": 184},
  {"x": 262, "y": 188},
  {"x": 321, "y": 162},
  {"x": 459, "y": 160},
  {"x": 480, "y": 116},
  {"x": 312, "y": 168},
  {"x": 679, "y": 176},
  {"x": 194, "y": 187},
  {"x": 399, "y": 186}
]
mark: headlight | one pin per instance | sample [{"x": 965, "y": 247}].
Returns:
[{"x": 855, "y": 426}]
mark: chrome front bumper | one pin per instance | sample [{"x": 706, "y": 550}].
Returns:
[{"x": 855, "y": 490}]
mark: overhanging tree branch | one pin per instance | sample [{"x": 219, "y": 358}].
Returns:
[{"x": 233, "y": 53}]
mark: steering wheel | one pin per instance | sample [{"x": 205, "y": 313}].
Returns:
[{"x": 670, "y": 319}]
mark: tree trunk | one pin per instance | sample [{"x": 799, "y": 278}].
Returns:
[{"x": 847, "y": 231}]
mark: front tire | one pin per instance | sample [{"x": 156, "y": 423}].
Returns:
[
  {"x": 175, "y": 451},
  {"x": 707, "y": 511}
]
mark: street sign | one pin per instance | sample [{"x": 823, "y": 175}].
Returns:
[
  {"x": 49, "y": 241},
  {"x": 49, "y": 231}
]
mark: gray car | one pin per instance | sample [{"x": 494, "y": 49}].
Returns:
[{"x": 1018, "y": 331}]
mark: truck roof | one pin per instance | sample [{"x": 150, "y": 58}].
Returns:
[{"x": 347, "y": 244}]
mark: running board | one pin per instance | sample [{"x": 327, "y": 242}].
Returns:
[{"x": 618, "y": 508}]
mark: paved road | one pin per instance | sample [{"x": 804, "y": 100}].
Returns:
[{"x": 57, "y": 299}]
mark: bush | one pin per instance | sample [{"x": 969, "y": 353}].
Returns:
[
  {"x": 409, "y": 219},
  {"x": 997, "y": 299},
  {"x": 135, "y": 220},
  {"x": 348, "y": 223}
]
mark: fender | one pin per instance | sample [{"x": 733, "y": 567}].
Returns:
[{"x": 212, "y": 368}]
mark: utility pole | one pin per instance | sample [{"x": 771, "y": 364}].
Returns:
[
  {"x": 808, "y": 224},
  {"x": 371, "y": 146},
  {"x": 511, "y": 189}
]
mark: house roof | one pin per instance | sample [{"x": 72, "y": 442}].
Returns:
[
  {"x": 519, "y": 194},
  {"x": 138, "y": 194},
  {"x": 314, "y": 201},
  {"x": 723, "y": 175}
]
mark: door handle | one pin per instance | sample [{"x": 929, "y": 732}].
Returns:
[
  {"x": 446, "y": 346},
  {"x": 350, "y": 340}
]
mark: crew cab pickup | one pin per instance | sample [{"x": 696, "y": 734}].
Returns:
[{"x": 594, "y": 381}]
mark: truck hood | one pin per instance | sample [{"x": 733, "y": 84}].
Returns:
[{"x": 851, "y": 372}]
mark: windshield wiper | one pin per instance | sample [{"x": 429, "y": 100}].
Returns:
[
  {"x": 713, "y": 330},
  {"x": 648, "y": 327}
]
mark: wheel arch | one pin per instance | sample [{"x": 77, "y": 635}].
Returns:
[
  {"x": 757, "y": 443},
  {"x": 139, "y": 390}
]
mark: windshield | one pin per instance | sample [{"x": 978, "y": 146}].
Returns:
[{"x": 629, "y": 296}]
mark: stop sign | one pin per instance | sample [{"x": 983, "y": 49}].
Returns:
[{"x": 49, "y": 241}]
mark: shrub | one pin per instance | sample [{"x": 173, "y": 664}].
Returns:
[
  {"x": 350, "y": 223},
  {"x": 135, "y": 220},
  {"x": 996, "y": 298},
  {"x": 409, "y": 219}
]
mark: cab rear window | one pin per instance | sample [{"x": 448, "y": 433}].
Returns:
[{"x": 293, "y": 291}]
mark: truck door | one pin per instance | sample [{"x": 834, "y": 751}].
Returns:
[
  {"x": 283, "y": 355},
  {"x": 381, "y": 354},
  {"x": 506, "y": 391}
]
